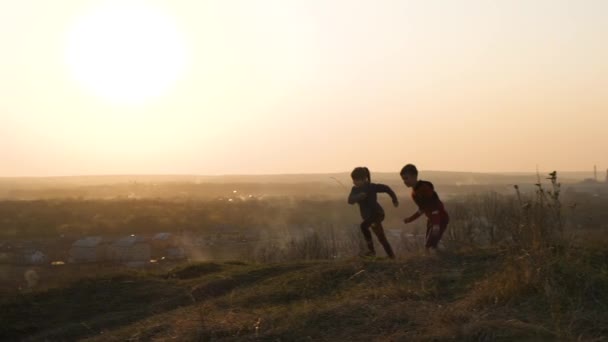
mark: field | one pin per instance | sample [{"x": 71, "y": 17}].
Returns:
[{"x": 524, "y": 264}]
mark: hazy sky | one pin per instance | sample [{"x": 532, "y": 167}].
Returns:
[{"x": 215, "y": 87}]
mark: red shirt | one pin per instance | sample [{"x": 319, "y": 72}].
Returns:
[{"x": 428, "y": 202}]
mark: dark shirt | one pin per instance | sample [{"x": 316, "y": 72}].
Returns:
[
  {"x": 425, "y": 196},
  {"x": 369, "y": 205},
  {"x": 429, "y": 204}
]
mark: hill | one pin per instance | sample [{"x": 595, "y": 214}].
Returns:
[{"x": 457, "y": 296}]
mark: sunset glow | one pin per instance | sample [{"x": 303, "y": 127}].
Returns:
[
  {"x": 286, "y": 86},
  {"x": 125, "y": 53}
]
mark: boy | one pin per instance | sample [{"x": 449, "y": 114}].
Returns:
[
  {"x": 429, "y": 204},
  {"x": 365, "y": 193}
]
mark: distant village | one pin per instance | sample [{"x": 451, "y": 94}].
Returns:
[{"x": 131, "y": 250}]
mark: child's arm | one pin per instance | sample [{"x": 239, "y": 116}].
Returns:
[
  {"x": 387, "y": 190},
  {"x": 356, "y": 196},
  {"x": 413, "y": 217}
]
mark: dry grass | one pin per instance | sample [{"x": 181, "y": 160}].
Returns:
[
  {"x": 320, "y": 243},
  {"x": 516, "y": 275},
  {"x": 478, "y": 296}
]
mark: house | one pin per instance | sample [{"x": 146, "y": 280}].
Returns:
[
  {"x": 130, "y": 249},
  {"x": 161, "y": 243},
  {"x": 89, "y": 249},
  {"x": 176, "y": 253},
  {"x": 34, "y": 257},
  {"x": 164, "y": 240}
]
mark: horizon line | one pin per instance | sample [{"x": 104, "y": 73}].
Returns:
[{"x": 275, "y": 174}]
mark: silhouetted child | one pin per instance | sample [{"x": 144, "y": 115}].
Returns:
[
  {"x": 429, "y": 204},
  {"x": 365, "y": 193}
]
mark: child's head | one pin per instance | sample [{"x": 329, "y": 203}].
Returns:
[
  {"x": 360, "y": 176},
  {"x": 409, "y": 174}
]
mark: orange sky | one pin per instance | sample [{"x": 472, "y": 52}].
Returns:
[{"x": 223, "y": 87}]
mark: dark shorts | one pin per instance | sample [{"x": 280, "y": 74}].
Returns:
[{"x": 377, "y": 217}]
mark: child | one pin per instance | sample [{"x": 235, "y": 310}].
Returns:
[
  {"x": 429, "y": 204},
  {"x": 365, "y": 194}
]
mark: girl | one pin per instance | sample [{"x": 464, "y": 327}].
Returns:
[{"x": 365, "y": 193}]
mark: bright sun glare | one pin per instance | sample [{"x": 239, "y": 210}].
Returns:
[{"x": 126, "y": 52}]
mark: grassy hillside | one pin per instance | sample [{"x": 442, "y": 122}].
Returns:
[
  {"x": 527, "y": 272},
  {"x": 475, "y": 295}
]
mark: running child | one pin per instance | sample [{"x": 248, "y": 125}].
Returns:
[
  {"x": 365, "y": 193},
  {"x": 429, "y": 204}
]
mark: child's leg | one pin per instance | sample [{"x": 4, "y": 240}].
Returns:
[
  {"x": 434, "y": 234},
  {"x": 442, "y": 227},
  {"x": 379, "y": 231},
  {"x": 429, "y": 235},
  {"x": 365, "y": 225}
]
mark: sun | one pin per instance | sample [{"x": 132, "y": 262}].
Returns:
[{"x": 125, "y": 52}]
